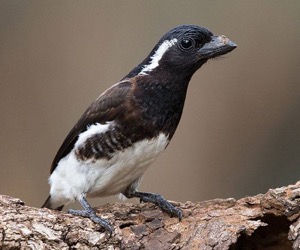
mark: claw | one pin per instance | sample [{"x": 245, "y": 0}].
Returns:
[
  {"x": 160, "y": 201},
  {"x": 88, "y": 212}
]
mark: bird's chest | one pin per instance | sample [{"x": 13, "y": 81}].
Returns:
[
  {"x": 108, "y": 172},
  {"x": 162, "y": 106},
  {"x": 114, "y": 175}
]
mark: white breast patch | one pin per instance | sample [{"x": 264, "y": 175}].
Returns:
[{"x": 73, "y": 178}]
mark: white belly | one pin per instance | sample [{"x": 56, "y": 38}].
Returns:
[{"x": 73, "y": 178}]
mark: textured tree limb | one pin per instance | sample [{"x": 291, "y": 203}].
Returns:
[{"x": 265, "y": 220}]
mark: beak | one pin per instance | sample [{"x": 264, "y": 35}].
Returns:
[{"x": 219, "y": 45}]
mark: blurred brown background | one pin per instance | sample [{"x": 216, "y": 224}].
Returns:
[{"x": 240, "y": 131}]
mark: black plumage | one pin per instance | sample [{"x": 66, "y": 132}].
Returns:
[{"x": 142, "y": 110}]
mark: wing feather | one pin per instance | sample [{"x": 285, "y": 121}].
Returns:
[{"x": 107, "y": 107}]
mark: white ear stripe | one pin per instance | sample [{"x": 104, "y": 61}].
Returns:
[{"x": 157, "y": 56}]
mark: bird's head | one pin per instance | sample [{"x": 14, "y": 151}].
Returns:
[{"x": 185, "y": 49}]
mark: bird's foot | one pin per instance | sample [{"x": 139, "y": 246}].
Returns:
[
  {"x": 161, "y": 202},
  {"x": 88, "y": 212}
]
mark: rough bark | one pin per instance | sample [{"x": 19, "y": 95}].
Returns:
[{"x": 264, "y": 221}]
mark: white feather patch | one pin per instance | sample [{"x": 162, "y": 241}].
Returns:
[
  {"x": 73, "y": 178},
  {"x": 162, "y": 49},
  {"x": 91, "y": 130}
]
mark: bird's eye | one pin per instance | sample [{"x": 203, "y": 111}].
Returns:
[{"x": 186, "y": 43}]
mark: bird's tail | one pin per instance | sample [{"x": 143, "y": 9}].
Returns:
[{"x": 48, "y": 204}]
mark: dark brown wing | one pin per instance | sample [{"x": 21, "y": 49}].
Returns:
[{"x": 107, "y": 107}]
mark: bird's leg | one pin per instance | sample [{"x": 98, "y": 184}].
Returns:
[
  {"x": 158, "y": 200},
  {"x": 88, "y": 212}
]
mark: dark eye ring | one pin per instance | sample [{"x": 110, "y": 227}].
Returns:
[{"x": 186, "y": 43}]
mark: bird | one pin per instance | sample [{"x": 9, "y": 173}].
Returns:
[{"x": 125, "y": 129}]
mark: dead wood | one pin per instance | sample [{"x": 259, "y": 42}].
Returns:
[{"x": 264, "y": 221}]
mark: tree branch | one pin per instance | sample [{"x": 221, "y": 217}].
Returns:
[{"x": 256, "y": 222}]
